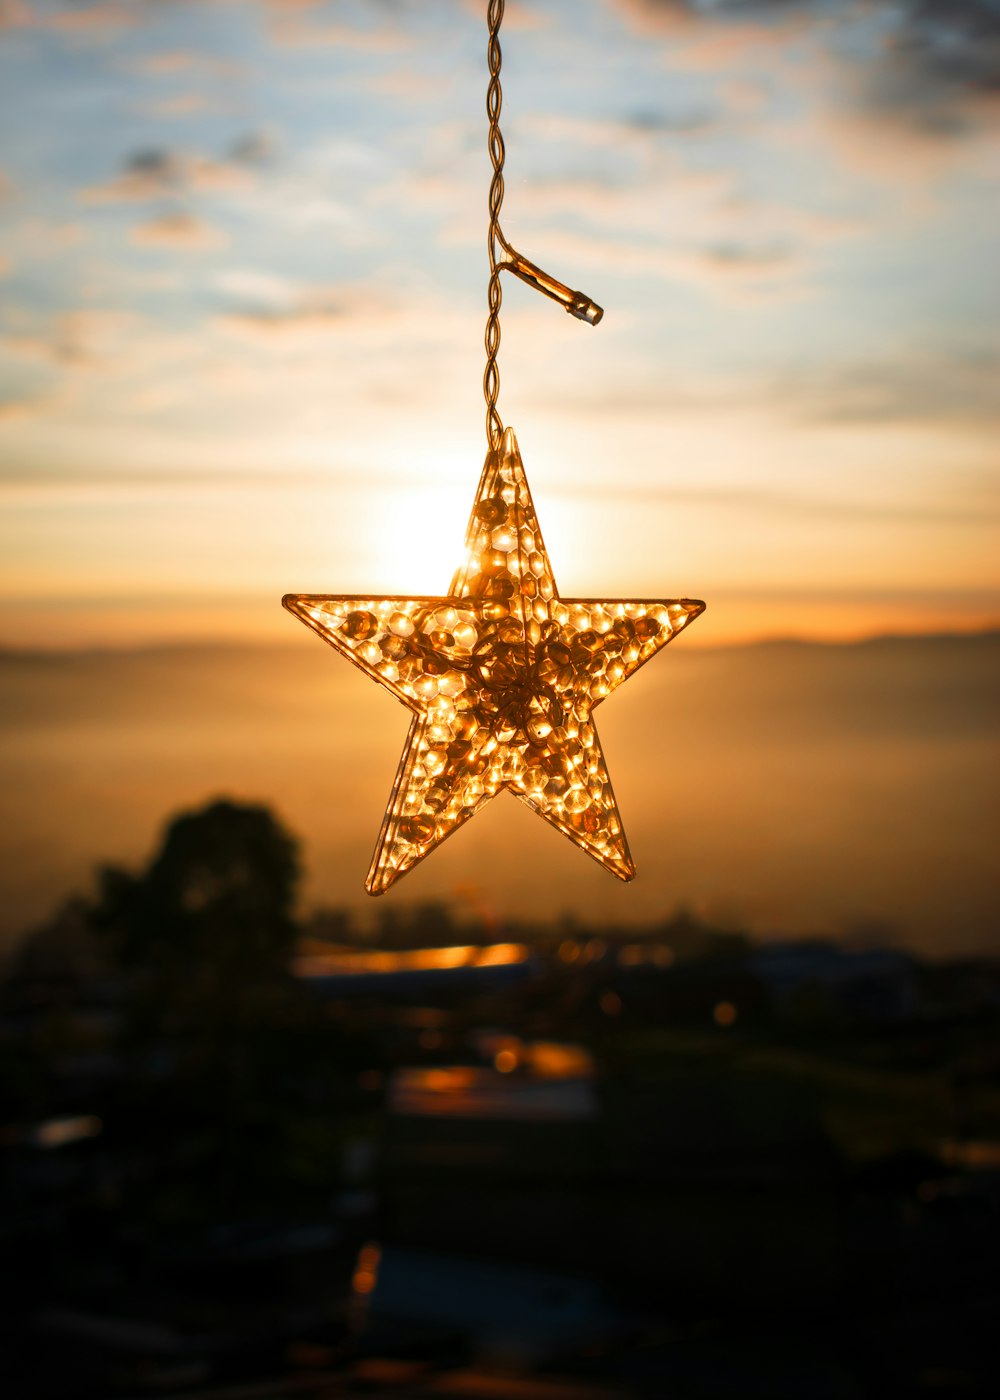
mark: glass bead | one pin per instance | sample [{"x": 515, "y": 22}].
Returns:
[
  {"x": 493, "y": 561},
  {"x": 491, "y": 510},
  {"x": 359, "y": 626},
  {"x": 417, "y": 830},
  {"x": 435, "y": 761},
  {"x": 402, "y": 624},
  {"x": 394, "y": 648}
]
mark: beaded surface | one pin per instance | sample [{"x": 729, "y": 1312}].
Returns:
[{"x": 502, "y": 676}]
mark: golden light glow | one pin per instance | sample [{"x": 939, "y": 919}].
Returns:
[
  {"x": 355, "y": 961},
  {"x": 366, "y": 1269},
  {"x": 421, "y": 529},
  {"x": 503, "y": 676}
]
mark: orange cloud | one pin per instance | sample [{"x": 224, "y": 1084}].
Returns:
[
  {"x": 12, "y": 410},
  {"x": 294, "y": 24},
  {"x": 177, "y": 61},
  {"x": 77, "y": 338},
  {"x": 14, "y": 14},
  {"x": 182, "y": 105},
  {"x": 182, "y": 231},
  {"x": 105, "y": 18},
  {"x": 154, "y": 173}
]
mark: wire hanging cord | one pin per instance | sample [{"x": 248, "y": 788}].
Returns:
[{"x": 578, "y": 304}]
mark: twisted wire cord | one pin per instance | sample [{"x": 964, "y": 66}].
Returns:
[
  {"x": 578, "y": 304},
  {"x": 494, "y": 99}
]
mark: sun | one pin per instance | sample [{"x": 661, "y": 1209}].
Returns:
[{"x": 419, "y": 540}]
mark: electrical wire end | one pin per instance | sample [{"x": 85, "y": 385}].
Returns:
[{"x": 584, "y": 309}]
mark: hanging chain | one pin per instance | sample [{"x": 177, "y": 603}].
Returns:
[
  {"x": 494, "y": 99},
  {"x": 576, "y": 303}
]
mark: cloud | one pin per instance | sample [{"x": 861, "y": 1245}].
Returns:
[
  {"x": 169, "y": 64},
  {"x": 14, "y": 14},
  {"x": 959, "y": 388},
  {"x": 13, "y": 410},
  {"x": 4, "y": 265},
  {"x": 742, "y": 272},
  {"x": 253, "y": 148},
  {"x": 100, "y": 21},
  {"x": 179, "y": 230},
  {"x": 407, "y": 85},
  {"x": 275, "y": 311},
  {"x": 933, "y": 65},
  {"x": 736, "y": 273},
  {"x": 154, "y": 173},
  {"x": 516, "y": 17},
  {"x": 34, "y": 240},
  {"x": 728, "y": 496},
  {"x": 940, "y": 58},
  {"x": 183, "y": 104},
  {"x": 294, "y": 23},
  {"x": 84, "y": 337}
]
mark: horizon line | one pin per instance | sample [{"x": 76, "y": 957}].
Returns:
[{"x": 12, "y": 651}]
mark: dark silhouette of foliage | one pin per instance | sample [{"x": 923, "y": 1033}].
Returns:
[
  {"x": 210, "y": 921},
  {"x": 234, "y": 1074}
]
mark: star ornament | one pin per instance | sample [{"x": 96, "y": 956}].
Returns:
[{"x": 502, "y": 677}]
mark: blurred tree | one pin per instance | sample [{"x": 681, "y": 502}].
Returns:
[
  {"x": 210, "y": 921},
  {"x": 235, "y": 1078}
]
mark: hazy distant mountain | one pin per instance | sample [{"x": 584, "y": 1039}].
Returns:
[{"x": 790, "y": 786}]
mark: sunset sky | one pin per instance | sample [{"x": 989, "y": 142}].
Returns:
[{"x": 243, "y": 285}]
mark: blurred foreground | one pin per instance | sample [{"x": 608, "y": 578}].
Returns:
[{"x": 245, "y": 1158}]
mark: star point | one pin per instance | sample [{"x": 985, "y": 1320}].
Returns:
[{"x": 502, "y": 677}]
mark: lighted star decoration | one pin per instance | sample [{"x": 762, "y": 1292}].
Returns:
[{"x": 503, "y": 677}]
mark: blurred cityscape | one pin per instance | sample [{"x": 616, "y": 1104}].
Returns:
[{"x": 248, "y": 1156}]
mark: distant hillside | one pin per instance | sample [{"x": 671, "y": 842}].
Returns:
[{"x": 793, "y": 786}]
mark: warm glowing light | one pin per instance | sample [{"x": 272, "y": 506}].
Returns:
[
  {"x": 360, "y": 962},
  {"x": 552, "y": 1059},
  {"x": 610, "y": 1003},
  {"x": 502, "y": 676},
  {"x": 418, "y": 528},
  {"x": 505, "y": 1061},
  {"x": 60, "y": 1132},
  {"x": 725, "y": 1013},
  {"x": 366, "y": 1270}
]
